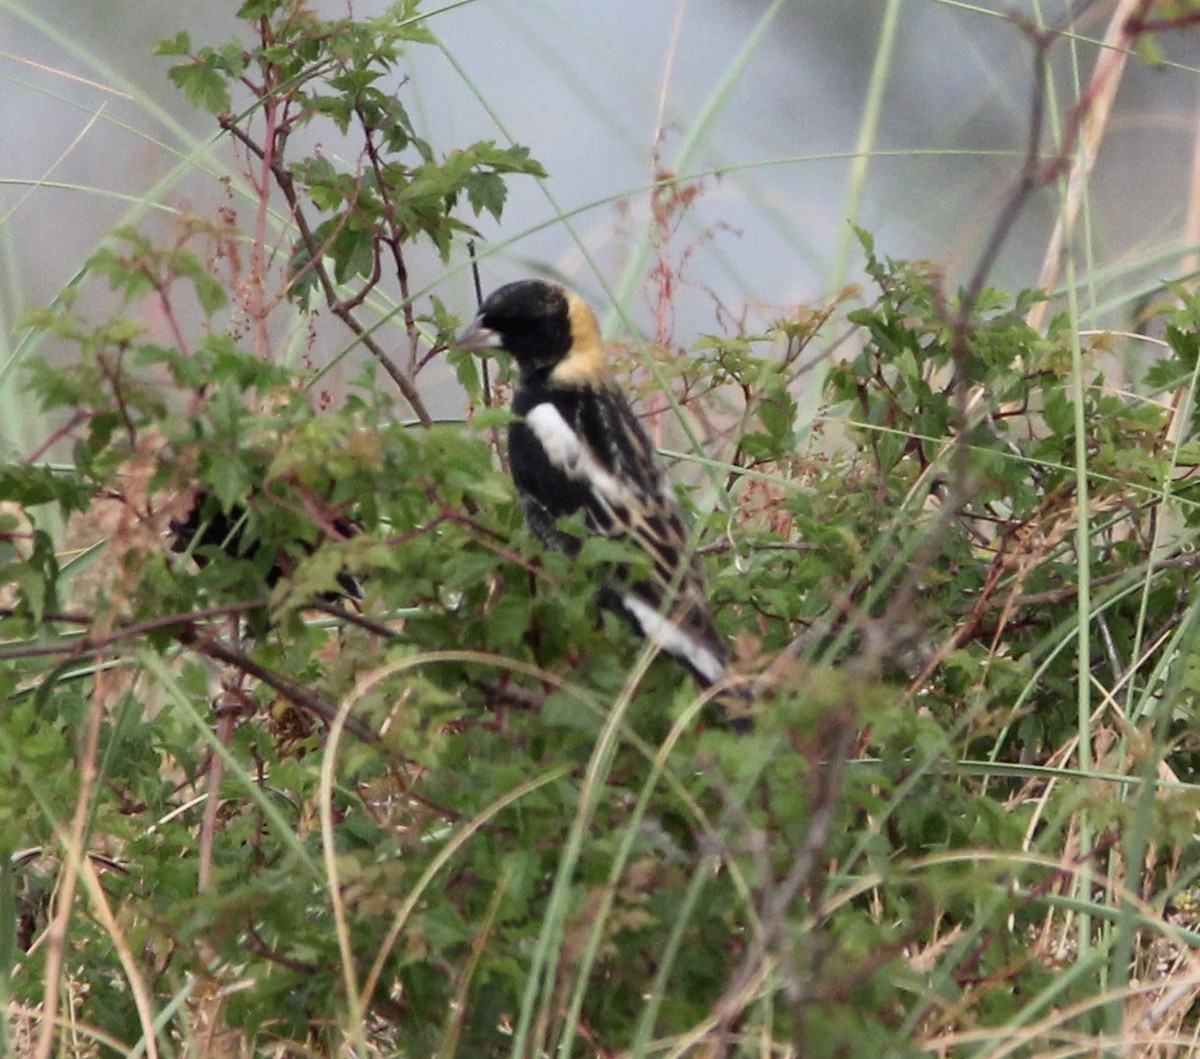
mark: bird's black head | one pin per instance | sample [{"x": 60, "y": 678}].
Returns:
[{"x": 542, "y": 325}]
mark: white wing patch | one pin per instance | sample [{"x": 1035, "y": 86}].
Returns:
[
  {"x": 574, "y": 457},
  {"x": 669, "y": 637},
  {"x": 568, "y": 451}
]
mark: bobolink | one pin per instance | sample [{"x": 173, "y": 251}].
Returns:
[{"x": 578, "y": 445}]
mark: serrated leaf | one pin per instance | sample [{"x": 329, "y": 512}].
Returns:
[
  {"x": 204, "y": 87},
  {"x": 486, "y": 191},
  {"x": 180, "y": 44},
  {"x": 230, "y": 482}
]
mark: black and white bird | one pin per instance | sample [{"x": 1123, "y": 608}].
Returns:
[{"x": 578, "y": 445}]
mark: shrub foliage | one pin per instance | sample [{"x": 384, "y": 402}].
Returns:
[{"x": 468, "y": 815}]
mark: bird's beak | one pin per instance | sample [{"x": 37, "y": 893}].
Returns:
[{"x": 477, "y": 337}]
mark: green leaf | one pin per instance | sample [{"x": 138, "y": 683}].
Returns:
[
  {"x": 180, "y": 44},
  {"x": 256, "y": 9},
  {"x": 210, "y": 292},
  {"x": 1060, "y": 415},
  {"x": 204, "y": 86},
  {"x": 231, "y": 482},
  {"x": 31, "y": 486},
  {"x": 486, "y": 191},
  {"x": 353, "y": 254}
]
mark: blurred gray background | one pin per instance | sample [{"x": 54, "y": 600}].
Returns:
[{"x": 93, "y": 134}]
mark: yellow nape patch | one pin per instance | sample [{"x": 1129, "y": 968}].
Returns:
[{"x": 585, "y": 362}]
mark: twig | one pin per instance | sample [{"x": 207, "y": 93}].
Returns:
[
  {"x": 188, "y": 635},
  {"x": 394, "y": 243},
  {"x": 1139, "y": 23},
  {"x": 302, "y": 697},
  {"x": 478, "y": 284},
  {"x": 513, "y": 695},
  {"x": 88, "y": 644},
  {"x": 1053, "y": 596},
  {"x": 80, "y": 416},
  {"x": 337, "y": 306},
  {"x": 351, "y": 617}
]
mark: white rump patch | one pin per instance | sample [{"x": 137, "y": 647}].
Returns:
[{"x": 668, "y": 637}]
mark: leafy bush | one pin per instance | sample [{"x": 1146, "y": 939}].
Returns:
[{"x": 470, "y": 815}]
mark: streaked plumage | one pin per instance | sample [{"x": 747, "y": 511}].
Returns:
[{"x": 579, "y": 446}]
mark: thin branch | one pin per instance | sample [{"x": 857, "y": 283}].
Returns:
[
  {"x": 186, "y": 632},
  {"x": 1138, "y": 23},
  {"x": 335, "y": 610},
  {"x": 1054, "y": 596},
  {"x": 89, "y": 644},
  {"x": 287, "y": 185},
  {"x": 394, "y": 242},
  {"x": 80, "y": 416},
  {"x": 302, "y": 697}
]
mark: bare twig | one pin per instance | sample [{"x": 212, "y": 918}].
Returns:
[
  {"x": 351, "y": 617},
  {"x": 79, "y": 416}
]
